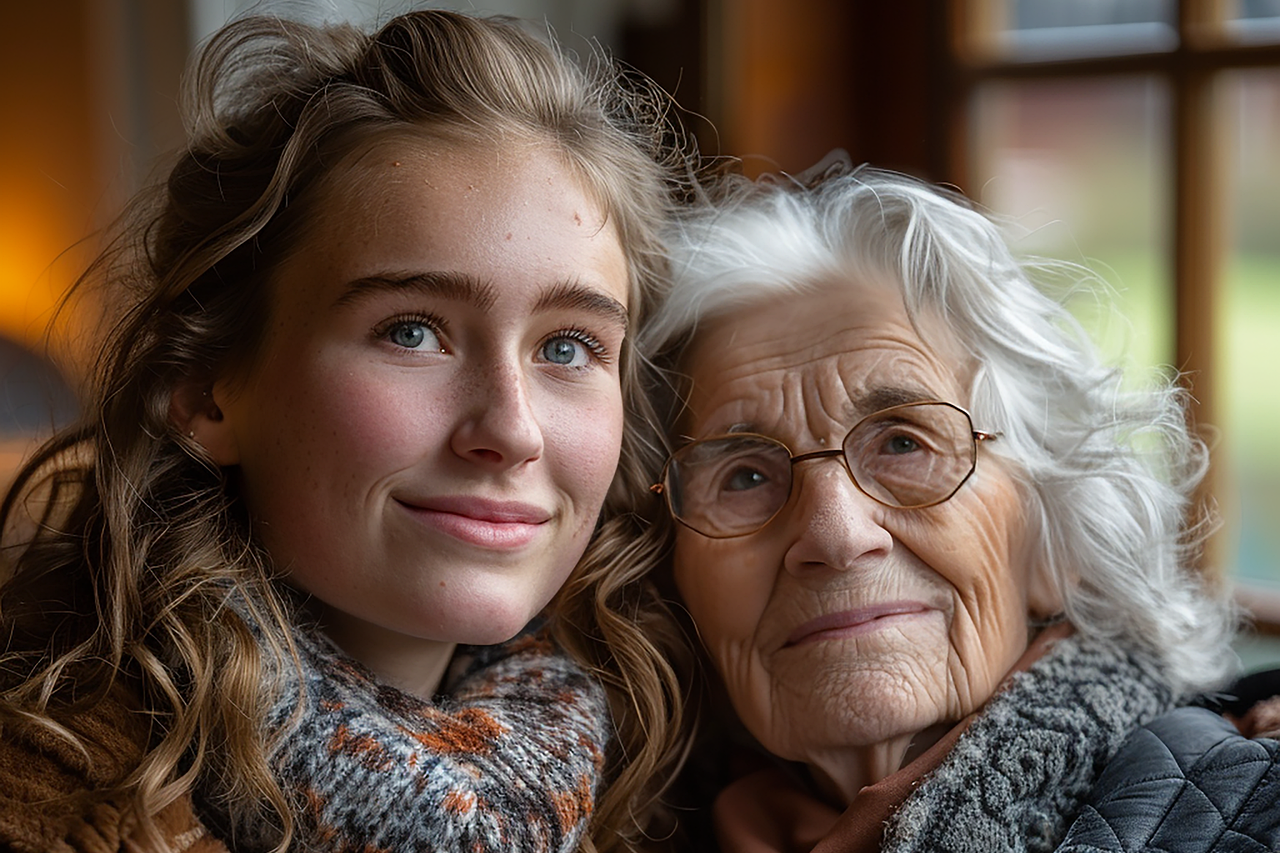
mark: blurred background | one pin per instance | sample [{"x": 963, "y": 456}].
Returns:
[{"x": 1140, "y": 138}]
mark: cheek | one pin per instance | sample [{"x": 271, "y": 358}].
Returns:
[
  {"x": 694, "y": 575},
  {"x": 368, "y": 415},
  {"x": 362, "y": 423},
  {"x": 583, "y": 437},
  {"x": 341, "y": 426},
  {"x": 727, "y": 587},
  {"x": 976, "y": 546},
  {"x": 725, "y": 594}
]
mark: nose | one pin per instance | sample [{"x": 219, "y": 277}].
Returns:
[
  {"x": 832, "y": 524},
  {"x": 498, "y": 427}
]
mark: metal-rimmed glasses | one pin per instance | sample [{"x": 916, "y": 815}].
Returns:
[{"x": 908, "y": 456}]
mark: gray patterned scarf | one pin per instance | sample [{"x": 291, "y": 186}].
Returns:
[{"x": 508, "y": 759}]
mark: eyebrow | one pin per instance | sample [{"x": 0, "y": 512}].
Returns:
[
  {"x": 576, "y": 296},
  {"x": 876, "y": 399},
  {"x": 568, "y": 295},
  {"x": 886, "y": 396},
  {"x": 445, "y": 285}
]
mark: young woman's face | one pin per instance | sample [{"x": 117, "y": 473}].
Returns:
[{"x": 427, "y": 435}]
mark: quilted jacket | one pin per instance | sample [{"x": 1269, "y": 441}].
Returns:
[{"x": 1188, "y": 782}]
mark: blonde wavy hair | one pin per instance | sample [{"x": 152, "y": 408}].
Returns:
[{"x": 140, "y": 542}]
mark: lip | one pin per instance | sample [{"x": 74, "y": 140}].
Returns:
[
  {"x": 847, "y": 623},
  {"x": 485, "y": 523}
]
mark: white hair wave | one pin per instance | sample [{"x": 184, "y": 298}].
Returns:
[{"x": 1110, "y": 470}]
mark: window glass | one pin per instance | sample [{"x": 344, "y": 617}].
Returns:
[
  {"x": 1253, "y": 20},
  {"x": 1054, "y": 29},
  {"x": 1082, "y": 167},
  {"x": 1249, "y": 331}
]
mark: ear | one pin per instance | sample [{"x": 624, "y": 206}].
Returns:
[
  {"x": 194, "y": 411},
  {"x": 1044, "y": 599}
]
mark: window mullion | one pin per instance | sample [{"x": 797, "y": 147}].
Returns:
[{"x": 1197, "y": 238}]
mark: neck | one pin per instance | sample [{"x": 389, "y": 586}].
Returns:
[
  {"x": 411, "y": 664},
  {"x": 842, "y": 774}
]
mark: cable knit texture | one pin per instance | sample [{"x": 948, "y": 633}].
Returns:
[
  {"x": 509, "y": 758},
  {"x": 48, "y": 802},
  {"x": 1020, "y": 773}
]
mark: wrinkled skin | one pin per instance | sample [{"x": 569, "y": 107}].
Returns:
[{"x": 920, "y": 612}]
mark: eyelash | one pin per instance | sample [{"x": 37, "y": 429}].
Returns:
[
  {"x": 431, "y": 321},
  {"x": 582, "y": 336},
  {"x": 436, "y": 324}
]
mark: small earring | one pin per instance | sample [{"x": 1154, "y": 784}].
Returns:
[{"x": 191, "y": 434}]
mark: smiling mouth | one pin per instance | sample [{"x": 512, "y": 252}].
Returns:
[
  {"x": 849, "y": 623},
  {"x": 492, "y": 525}
]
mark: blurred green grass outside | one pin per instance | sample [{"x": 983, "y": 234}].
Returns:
[{"x": 1135, "y": 330}]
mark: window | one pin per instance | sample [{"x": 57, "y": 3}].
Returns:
[{"x": 1139, "y": 137}]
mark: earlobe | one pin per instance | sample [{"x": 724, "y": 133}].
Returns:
[{"x": 194, "y": 410}]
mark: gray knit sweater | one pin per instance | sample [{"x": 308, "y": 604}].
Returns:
[{"x": 1020, "y": 773}]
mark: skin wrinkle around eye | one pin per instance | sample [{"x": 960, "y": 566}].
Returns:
[{"x": 724, "y": 486}]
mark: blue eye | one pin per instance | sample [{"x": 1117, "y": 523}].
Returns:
[
  {"x": 415, "y": 335},
  {"x": 566, "y": 351}
]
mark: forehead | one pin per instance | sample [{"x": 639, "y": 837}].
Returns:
[
  {"x": 422, "y": 169},
  {"x": 837, "y": 351},
  {"x": 410, "y": 200}
]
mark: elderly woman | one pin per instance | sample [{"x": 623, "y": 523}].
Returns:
[{"x": 937, "y": 553}]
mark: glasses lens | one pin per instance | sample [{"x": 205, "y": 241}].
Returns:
[
  {"x": 910, "y": 456},
  {"x": 728, "y": 486}
]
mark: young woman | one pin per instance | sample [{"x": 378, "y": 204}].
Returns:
[{"x": 363, "y": 404}]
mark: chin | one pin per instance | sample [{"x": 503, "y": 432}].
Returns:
[
  {"x": 494, "y": 625},
  {"x": 856, "y": 706}
]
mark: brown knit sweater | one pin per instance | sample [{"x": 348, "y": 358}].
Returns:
[{"x": 46, "y": 789}]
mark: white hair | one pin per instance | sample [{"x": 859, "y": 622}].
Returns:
[{"x": 1109, "y": 470}]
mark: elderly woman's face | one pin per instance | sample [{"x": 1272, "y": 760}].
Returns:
[{"x": 844, "y": 623}]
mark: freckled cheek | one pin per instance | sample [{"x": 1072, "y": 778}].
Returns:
[
  {"x": 362, "y": 429},
  {"x": 583, "y": 439}
]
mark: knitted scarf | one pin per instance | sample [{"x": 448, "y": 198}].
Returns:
[
  {"x": 507, "y": 759},
  {"x": 1019, "y": 773}
]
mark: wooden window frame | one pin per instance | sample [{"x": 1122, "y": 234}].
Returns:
[{"x": 1189, "y": 70}]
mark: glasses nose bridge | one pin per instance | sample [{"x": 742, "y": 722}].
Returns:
[
  {"x": 830, "y": 453},
  {"x": 825, "y": 454}
]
